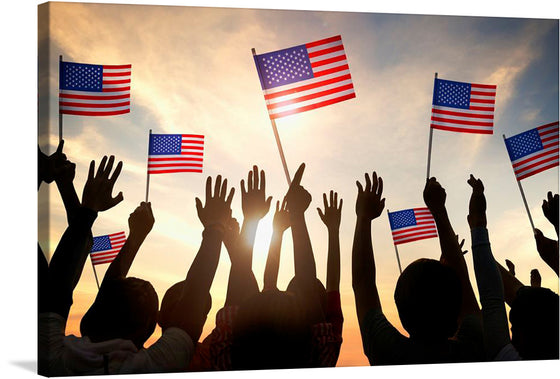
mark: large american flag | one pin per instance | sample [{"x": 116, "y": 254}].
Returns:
[
  {"x": 463, "y": 107},
  {"x": 106, "y": 248},
  {"x": 412, "y": 224},
  {"x": 175, "y": 153},
  {"x": 305, "y": 77},
  {"x": 94, "y": 90},
  {"x": 533, "y": 151}
]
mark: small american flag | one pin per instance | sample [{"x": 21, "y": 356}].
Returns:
[
  {"x": 463, "y": 107},
  {"x": 533, "y": 151},
  {"x": 175, "y": 153},
  {"x": 94, "y": 90},
  {"x": 305, "y": 77},
  {"x": 106, "y": 248},
  {"x": 412, "y": 224}
]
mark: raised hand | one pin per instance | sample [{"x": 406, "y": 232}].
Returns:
[
  {"x": 217, "y": 209},
  {"x": 369, "y": 203},
  {"x": 461, "y": 244},
  {"x": 510, "y": 266},
  {"x": 477, "y": 204},
  {"x": 141, "y": 221},
  {"x": 98, "y": 189},
  {"x": 333, "y": 211},
  {"x": 297, "y": 198},
  {"x": 254, "y": 203},
  {"x": 535, "y": 278},
  {"x": 548, "y": 250},
  {"x": 550, "y": 209},
  {"x": 281, "y": 220},
  {"x": 434, "y": 196}
]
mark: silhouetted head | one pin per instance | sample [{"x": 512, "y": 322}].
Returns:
[
  {"x": 170, "y": 301},
  {"x": 124, "y": 308},
  {"x": 270, "y": 332},
  {"x": 310, "y": 296},
  {"x": 428, "y": 298},
  {"x": 534, "y": 323}
]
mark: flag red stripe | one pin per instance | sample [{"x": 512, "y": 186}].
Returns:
[
  {"x": 328, "y": 61},
  {"x": 461, "y": 114},
  {"x": 482, "y": 93},
  {"x": 187, "y": 159},
  {"x": 120, "y": 89},
  {"x": 192, "y": 136},
  {"x": 330, "y": 70},
  {"x": 535, "y": 157},
  {"x": 102, "y": 254},
  {"x": 487, "y": 86},
  {"x": 116, "y": 66},
  {"x": 162, "y": 165},
  {"x": 522, "y": 170},
  {"x": 329, "y": 50},
  {"x": 112, "y": 74},
  {"x": 310, "y": 96},
  {"x": 463, "y": 130},
  {"x": 122, "y": 81},
  {"x": 461, "y": 122},
  {"x": 313, "y": 106},
  {"x": 94, "y": 97},
  {"x": 322, "y": 41},
  {"x": 398, "y": 242},
  {"x": 548, "y": 139},
  {"x": 484, "y": 101},
  {"x": 537, "y": 171},
  {"x": 191, "y": 147},
  {"x": 85, "y": 113},
  {"x": 485, "y": 109},
  {"x": 547, "y": 125},
  {"x": 307, "y": 87},
  {"x": 421, "y": 230},
  {"x": 93, "y": 105},
  {"x": 170, "y": 171}
]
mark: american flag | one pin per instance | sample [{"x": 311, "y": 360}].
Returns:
[
  {"x": 533, "y": 151},
  {"x": 305, "y": 77},
  {"x": 175, "y": 153},
  {"x": 463, "y": 107},
  {"x": 412, "y": 224},
  {"x": 94, "y": 90},
  {"x": 106, "y": 248}
]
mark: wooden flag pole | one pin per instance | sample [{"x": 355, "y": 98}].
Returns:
[
  {"x": 59, "y": 113},
  {"x": 522, "y": 193},
  {"x": 147, "y": 169},
  {"x": 430, "y": 141},
  {"x": 94, "y": 273},
  {"x": 276, "y": 136},
  {"x": 396, "y": 250}
]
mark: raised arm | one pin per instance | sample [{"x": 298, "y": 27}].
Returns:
[
  {"x": 550, "y": 209},
  {"x": 451, "y": 254},
  {"x": 510, "y": 284},
  {"x": 369, "y": 206},
  {"x": 140, "y": 223},
  {"x": 58, "y": 168},
  {"x": 255, "y": 206},
  {"x": 548, "y": 250},
  {"x": 331, "y": 218},
  {"x": 280, "y": 223},
  {"x": 488, "y": 279},
  {"x": 189, "y": 310},
  {"x": 71, "y": 253},
  {"x": 298, "y": 200}
]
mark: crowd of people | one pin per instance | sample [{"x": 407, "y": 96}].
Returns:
[{"x": 300, "y": 326}]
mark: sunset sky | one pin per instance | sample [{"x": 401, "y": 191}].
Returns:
[{"x": 193, "y": 72}]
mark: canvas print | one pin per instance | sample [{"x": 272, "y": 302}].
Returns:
[{"x": 241, "y": 189}]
